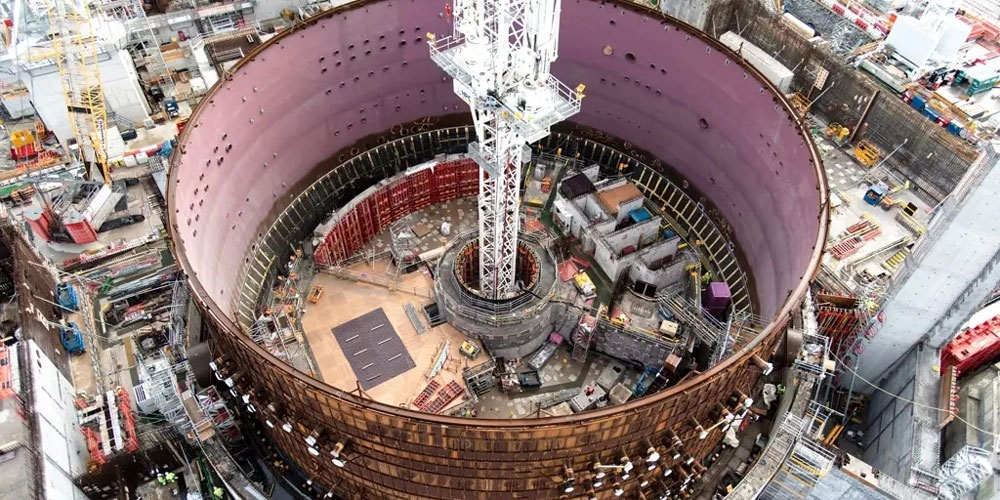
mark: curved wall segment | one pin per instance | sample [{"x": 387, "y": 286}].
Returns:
[{"x": 314, "y": 92}]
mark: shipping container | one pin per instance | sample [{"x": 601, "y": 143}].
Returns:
[{"x": 778, "y": 74}]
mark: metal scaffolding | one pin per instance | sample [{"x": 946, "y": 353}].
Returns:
[
  {"x": 499, "y": 59},
  {"x": 75, "y": 47},
  {"x": 141, "y": 39},
  {"x": 808, "y": 461},
  {"x": 964, "y": 472}
]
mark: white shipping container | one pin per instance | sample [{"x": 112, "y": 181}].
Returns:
[
  {"x": 799, "y": 27},
  {"x": 777, "y": 73}
]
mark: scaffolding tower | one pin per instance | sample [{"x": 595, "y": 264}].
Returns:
[
  {"x": 808, "y": 461},
  {"x": 75, "y": 48},
  {"x": 214, "y": 407},
  {"x": 163, "y": 367},
  {"x": 402, "y": 247},
  {"x": 141, "y": 40},
  {"x": 278, "y": 329},
  {"x": 964, "y": 472}
]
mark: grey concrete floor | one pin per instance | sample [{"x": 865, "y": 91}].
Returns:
[
  {"x": 848, "y": 183},
  {"x": 462, "y": 214}
]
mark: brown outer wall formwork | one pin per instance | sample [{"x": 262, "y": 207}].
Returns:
[
  {"x": 400, "y": 454},
  {"x": 406, "y": 455}
]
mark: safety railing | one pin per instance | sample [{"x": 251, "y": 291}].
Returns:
[{"x": 378, "y": 281}]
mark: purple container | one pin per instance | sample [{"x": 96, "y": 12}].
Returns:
[{"x": 717, "y": 297}]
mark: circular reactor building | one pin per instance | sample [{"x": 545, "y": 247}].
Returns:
[{"x": 322, "y": 196}]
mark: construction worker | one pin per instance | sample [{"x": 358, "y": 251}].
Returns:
[
  {"x": 171, "y": 477},
  {"x": 217, "y": 493}
]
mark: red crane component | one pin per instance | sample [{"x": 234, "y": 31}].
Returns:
[
  {"x": 973, "y": 347},
  {"x": 128, "y": 419}
]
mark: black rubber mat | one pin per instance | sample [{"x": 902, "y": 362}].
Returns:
[{"x": 372, "y": 347}]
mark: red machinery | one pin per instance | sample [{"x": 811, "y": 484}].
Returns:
[
  {"x": 6, "y": 374},
  {"x": 973, "y": 347},
  {"x": 23, "y": 145},
  {"x": 128, "y": 420},
  {"x": 94, "y": 446}
]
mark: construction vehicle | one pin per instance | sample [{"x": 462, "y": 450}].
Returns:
[
  {"x": 867, "y": 153},
  {"x": 66, "y": 296},
  {"x": 838, "y": 134},
  {"x": 875, "y": 194},
  {"x": 171, "y": 108},
  {"x": 469, "y": 350},
  {"x": 584, "y": 285},
  {"x": 23, "y": 145},
  {"x": 316, "y": 293},
  {"x": 72, "y": 339}
]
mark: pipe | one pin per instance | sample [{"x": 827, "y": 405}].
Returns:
[{"x": 864, "y": 115}]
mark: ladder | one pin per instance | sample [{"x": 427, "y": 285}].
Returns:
[{"x": 581, "y": 344}]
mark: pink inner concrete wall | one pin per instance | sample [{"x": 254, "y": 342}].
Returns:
[{"x": 360, "y": 72}]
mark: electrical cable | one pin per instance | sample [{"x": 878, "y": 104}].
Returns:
[{"x": 910, "y": 401}]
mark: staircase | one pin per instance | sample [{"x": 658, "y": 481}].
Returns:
[
  {"x": 705, "y": 327},
  {"x": 895, "y": 260},
  {"x": 143, "y": 45},
  {"x": 120, "y": 121}
]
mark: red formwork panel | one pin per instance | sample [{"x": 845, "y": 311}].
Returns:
[
  {"x": 468, "y": 178},
  {"x": 403, "y": 196},
  {"x": 382, "y": 208},
  {"x": 446, "y": 174},
  {"x": 435, "y": 186},
  {"x": 973, "y": 347},
  {"x": 321, "y": 254},
  {"x": 399, "y": 197},
  {"x": 421, "y": 194}
]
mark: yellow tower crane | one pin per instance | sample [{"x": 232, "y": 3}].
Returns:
[{"x": 75, "y": 47}]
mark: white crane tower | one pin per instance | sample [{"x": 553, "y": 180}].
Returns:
[{"x": 499, "y": 58}]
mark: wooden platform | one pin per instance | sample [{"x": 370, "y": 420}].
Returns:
[{"x": 344, "y": 300}]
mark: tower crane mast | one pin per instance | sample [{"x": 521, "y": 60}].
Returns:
[
  {"x": 76, "y": 49},
  {"x": 499, "y": 58}
]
